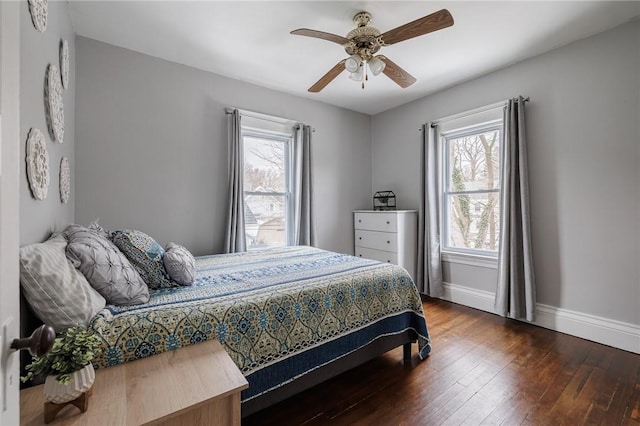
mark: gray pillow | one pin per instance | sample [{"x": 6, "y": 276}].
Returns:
[
  {"x": 179, "y": 264},
  {"x": 57, "y": 293},
  {"x": 106, "y": 269},
  {"x": 98, "y": 229}
]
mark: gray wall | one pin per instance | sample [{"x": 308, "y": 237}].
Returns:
[
  {"x": 584, "y": 159},
  {"x": 39, "y": 218},
  {"x": 152, "y": 149}
]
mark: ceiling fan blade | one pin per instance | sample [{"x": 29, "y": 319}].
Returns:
[
  {"x": 397, "y": 74},
  {"x": 328, "y": 77},
  {"x": 434, "y": 22},
  {"x": 321, "y": 34}
]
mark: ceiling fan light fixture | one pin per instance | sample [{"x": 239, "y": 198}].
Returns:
[
  {"x": 358, "y": 75},
  {"x": 376, "y": 65},
  {"x": 352, "y": 64}
]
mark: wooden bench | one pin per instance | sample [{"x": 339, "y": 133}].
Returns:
[{"x": 195, "y": 385}]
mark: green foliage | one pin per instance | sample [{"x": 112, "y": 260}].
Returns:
[{"x": 71, "y": 351}]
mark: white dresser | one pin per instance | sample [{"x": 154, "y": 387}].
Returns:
[{"x": 387, "y": 236}]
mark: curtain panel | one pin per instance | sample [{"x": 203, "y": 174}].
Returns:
[
  {"x": 516, "y": 292},
  {"x": 235, "y": 239},
  {"x": 429, "y": 275},
  {"x": 303, "y": 228}
]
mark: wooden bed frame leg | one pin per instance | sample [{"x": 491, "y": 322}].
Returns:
[{"x": 406, "y": 351}]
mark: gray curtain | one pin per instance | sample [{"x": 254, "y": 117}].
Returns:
[
  {"x": 516, "y": 292},
  {"x": 429, "y": 277},
  {"x": 235, "y": 239},
  {"x": 303, "y": 231}
]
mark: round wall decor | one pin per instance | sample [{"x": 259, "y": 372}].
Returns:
[
  {"x": 65, "y": 180},
  {"x": 37, "y": 164},
  {"x": 53, "y": 103},
  {"x": 39, "y": 11},
  {"x": 64, "y": 63}
]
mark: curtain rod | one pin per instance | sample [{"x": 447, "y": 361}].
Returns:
[
  {"x": 471, "y": 112},
  {"x": 266, "y": 117}
]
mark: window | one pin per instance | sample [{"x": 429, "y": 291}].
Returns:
[
  {"x": 471, "y": 189},
  {"x": 267, "y": 188}
]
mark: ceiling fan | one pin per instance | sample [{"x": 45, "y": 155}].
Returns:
[{"x": 362, "y": 44}]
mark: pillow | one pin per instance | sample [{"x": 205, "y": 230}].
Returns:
[
  {"x": 98, "y": 229},
  {"x": 179, "y": 264},
  {"x": 57, "y": 293},
  {"x": 106, "y": 269},
  {"x": 145, "y": 254}
]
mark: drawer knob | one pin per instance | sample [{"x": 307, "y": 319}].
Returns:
[
  {"x": 359, "y": 220},
  {"x": 388, "y": 242},
  {"x": 388, "y": 222},
  {"x": 359, "y": 238},
  {"x": 360, "y": 255},
  {"x": 388, "y": 261}
]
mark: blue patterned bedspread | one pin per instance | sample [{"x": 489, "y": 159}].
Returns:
[{"x": 279, "y": 313}]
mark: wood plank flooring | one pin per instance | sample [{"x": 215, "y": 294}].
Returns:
[{"x": 483, "y": 370}]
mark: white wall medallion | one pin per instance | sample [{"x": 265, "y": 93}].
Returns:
[
  {"x": 53, "y": 103},
  {"x": 39, "y": 11},
  {"x": 65, "y": 180},
  {"x": 37, "y": 164},
  {"x": 64, "y": 63}
]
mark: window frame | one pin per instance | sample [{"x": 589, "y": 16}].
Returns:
[
  {"x": 287, "y": 140},
  {"x": 453, "y": 253}
]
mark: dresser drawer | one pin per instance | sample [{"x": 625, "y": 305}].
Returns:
[
  {"x": 387, "y": 241},
  {"x": 376, "y": 221},
  {"x": 379, "y": 255}
]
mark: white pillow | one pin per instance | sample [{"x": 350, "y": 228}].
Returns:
[{"x": 57, "y": 293}]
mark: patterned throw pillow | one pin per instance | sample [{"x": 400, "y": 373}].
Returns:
[
  {"x": 58, "y": 294},
  {"x": 145, "y": 254},
  {"x": 179, "y": 264},
  {"x": 106, "y": 269}
]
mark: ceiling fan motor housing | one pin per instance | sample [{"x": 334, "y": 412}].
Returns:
[{"x": 364, "y": 40}]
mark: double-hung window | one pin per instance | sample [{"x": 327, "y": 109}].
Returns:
[
  {"x": 267, "y": 188},
  {"x": 471, "y": 189}
]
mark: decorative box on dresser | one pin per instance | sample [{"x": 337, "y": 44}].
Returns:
[{"x": 388, "y": 236}]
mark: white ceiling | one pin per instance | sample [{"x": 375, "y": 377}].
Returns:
[{"x": 250, "y": 41}]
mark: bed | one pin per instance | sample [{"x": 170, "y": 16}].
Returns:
[{"x": 289, "y": 317}]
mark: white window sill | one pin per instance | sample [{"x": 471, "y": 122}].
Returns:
[{"x": 470, "y": 259}]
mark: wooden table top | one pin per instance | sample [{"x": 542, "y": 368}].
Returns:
[{"x": 146, "y": 390}]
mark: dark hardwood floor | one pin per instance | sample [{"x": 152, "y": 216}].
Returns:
[{"x": 483, "y": 369}]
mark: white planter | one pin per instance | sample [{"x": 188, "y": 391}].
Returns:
[{"x": 81, "y": 381}]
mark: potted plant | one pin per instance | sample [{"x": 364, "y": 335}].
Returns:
[{"x": 67, "y": 367}]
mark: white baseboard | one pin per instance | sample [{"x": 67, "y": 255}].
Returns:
[
  {"x": 478, "y": 299},
  {"x": 602, "y": 330},
  {"x": 609, "y": 332}
]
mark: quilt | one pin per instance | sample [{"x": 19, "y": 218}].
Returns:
[{"x": 279, "y": 313}]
